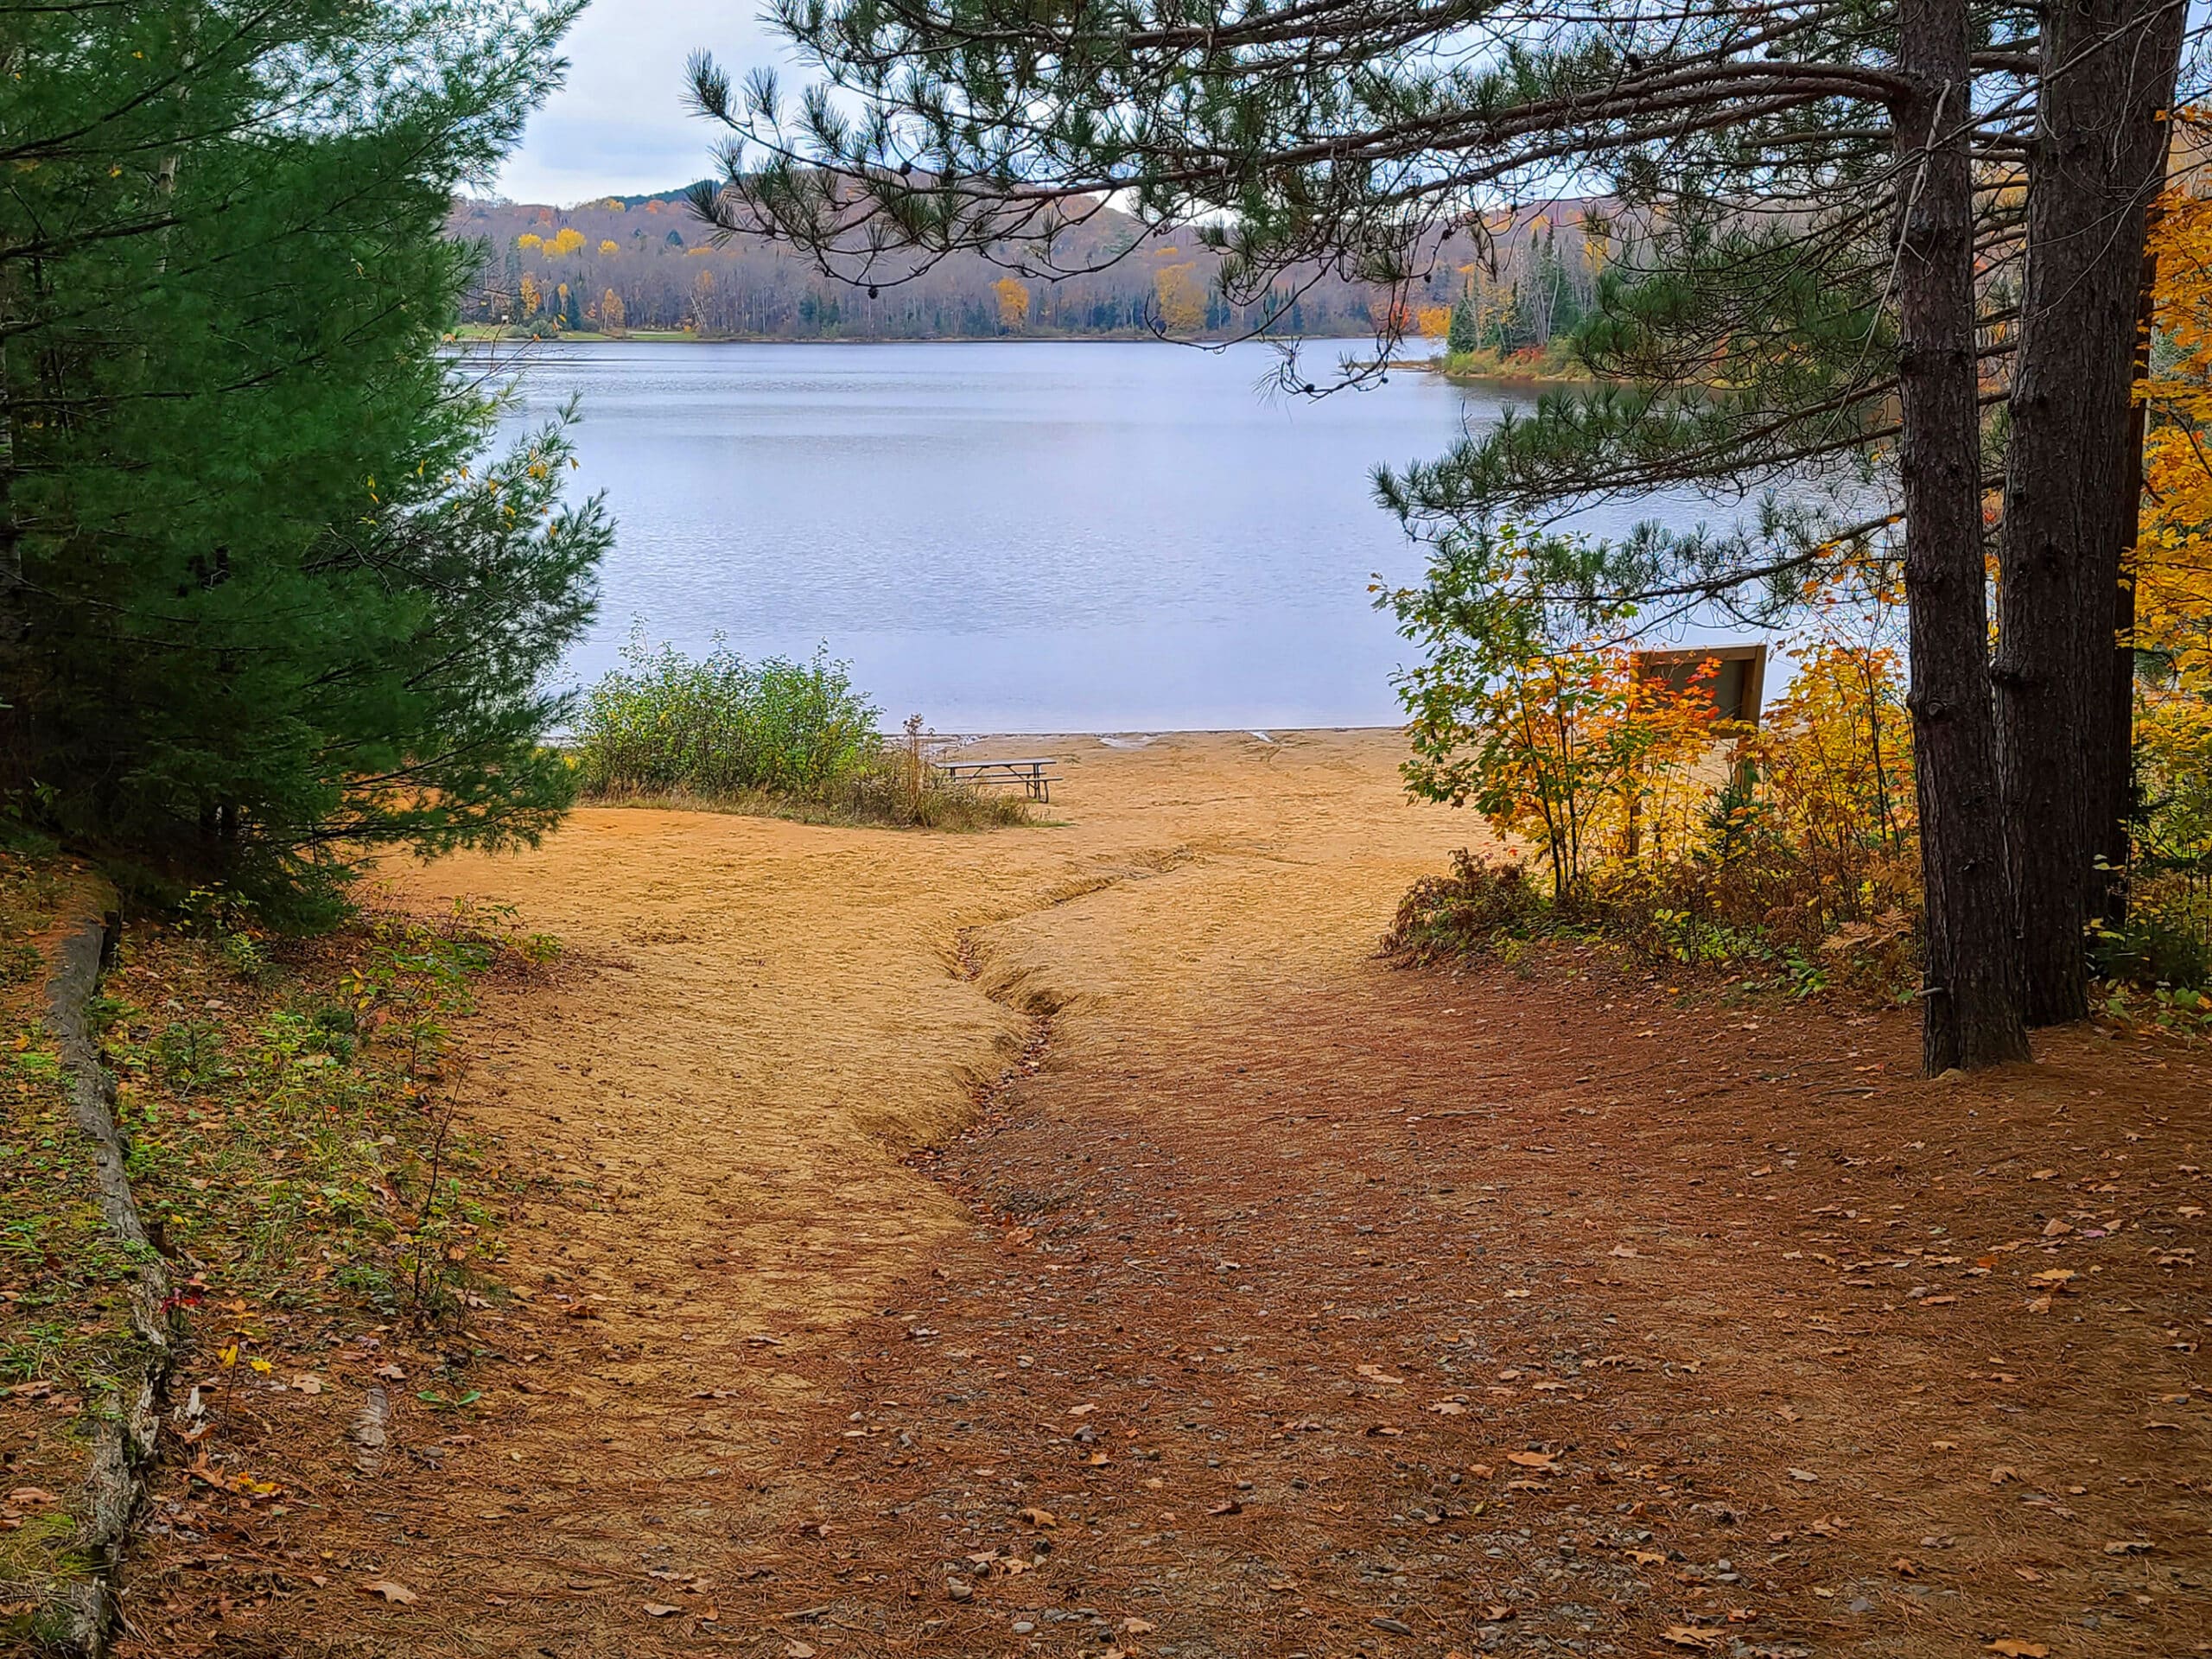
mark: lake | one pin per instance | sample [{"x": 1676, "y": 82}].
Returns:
[{"x": 1015, "y": 536}]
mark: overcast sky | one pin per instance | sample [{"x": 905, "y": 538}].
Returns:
[{"x": 618, "y": 127}]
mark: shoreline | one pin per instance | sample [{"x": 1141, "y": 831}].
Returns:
[
  {"x": 468, "y": 341},
  {"x": 663, "y": 337},
  {"x": 1125, "y": 736}
]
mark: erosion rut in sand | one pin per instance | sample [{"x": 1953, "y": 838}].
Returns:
[{"x": 1277, "y": 1302}]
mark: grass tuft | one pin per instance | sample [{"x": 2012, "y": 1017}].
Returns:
[{"x": 772, "y": 737}]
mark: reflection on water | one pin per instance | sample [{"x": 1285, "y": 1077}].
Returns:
[{"x": 1015, "y": 536}]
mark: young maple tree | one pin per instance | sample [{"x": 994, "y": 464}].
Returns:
[
  {"x": 1534, "y": 715},
  {"x": 1833, "y": 754}
]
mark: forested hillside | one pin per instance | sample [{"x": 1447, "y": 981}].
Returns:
[{"x": 647, "y": 265}]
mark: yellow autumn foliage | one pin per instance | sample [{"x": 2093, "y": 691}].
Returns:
[
  {"x": 1833, "y": 756},
  {"x": 2173, "y": 558},
  {"x": 1182, "y": 298}
]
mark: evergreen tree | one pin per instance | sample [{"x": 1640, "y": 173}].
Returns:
[
  {"x": 1462, "y": 337},
  {"x": 2073, "y": 480},
  {"x": 508, "y": 300},
  {"x": 270, "y": 607}
]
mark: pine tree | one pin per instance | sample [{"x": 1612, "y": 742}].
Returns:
[
  {"x": 1780, "y": 163},
  {"x": 1462, "y": 337},
  {"x": 275, "y": 608},
  {"x": 2073, "y": 479},
  {"x": 1563, "y": 306}
]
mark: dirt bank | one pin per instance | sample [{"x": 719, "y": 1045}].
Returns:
[{"x": 1276, "y": 1302}]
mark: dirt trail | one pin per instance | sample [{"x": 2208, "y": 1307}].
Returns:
[
  {"x": 771, "y": 1013},
  {"x": 1277, "y": 1304}
]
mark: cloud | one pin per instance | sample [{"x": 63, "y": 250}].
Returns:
[{"x": 619, "y": 124}]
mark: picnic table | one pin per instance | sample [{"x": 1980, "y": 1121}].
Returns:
[{"x": 1034, "y": 773}]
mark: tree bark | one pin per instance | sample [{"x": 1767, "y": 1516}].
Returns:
[
  {"x": 2115, "y": 801},
  {"x": 11, "y": 552},
  {"x": 2073, "y": 471},
  {"x": 1970, "y": 995}
]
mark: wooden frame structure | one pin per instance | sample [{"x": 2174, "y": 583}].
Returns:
[
  {"x": 1034, "y": 774},
  {"x": 1738, "y": 689}
]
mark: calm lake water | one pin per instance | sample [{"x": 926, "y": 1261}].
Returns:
[{"x": 1010, "y": 537}]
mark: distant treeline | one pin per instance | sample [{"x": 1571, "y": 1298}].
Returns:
[{"x": 618, "y": 266}]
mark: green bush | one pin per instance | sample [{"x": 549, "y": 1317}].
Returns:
[
  {"x": 1478, "y": 906},
  {"x": 795, "y": 739},
  {"x": 2166, "y": 939},
  {"x": 722, "y": 726},
  {"x": 1758, "y": 915}
]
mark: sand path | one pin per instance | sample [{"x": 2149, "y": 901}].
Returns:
[
  {"x": 1071, "y": 1241},
  {"x": 767, "y": 1015},
  {"x": 761, "y": 1018}
]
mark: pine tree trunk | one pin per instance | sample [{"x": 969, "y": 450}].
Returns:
[
  {"x": 2097, "y": 161},
  {"x": 1971, "y": 994},
  {"x": 11, "y": 552},
  {"x": 2113, "y": 805},
  {"x": 13, "y": 627}
]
